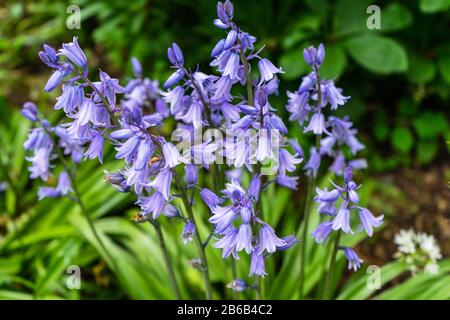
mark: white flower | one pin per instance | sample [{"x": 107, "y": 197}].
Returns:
[
  {"x": 419, "y": 251},
  {"x": 405, "y": 241}
]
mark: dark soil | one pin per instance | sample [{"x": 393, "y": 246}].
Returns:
[{"x": 410, "y": 198}]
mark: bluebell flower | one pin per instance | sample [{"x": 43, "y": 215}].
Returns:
[
  {"x": 174, "y": 78},
  {"x": 175, "y": 55},
  {"x": 74, "y": 53},
  {"x": 358, "y": 164},
  {"x": 274, "y": 122},
  {"x": 368, "y": 221},
  {"x": 254, "y": 187},
  {"x": 354, "y": 262},
  {"x": 95, "y": 149},
  {"x": 225, "y": 12},
  {"x": 188, "y": 232},
  {"x": 218, "y": 48},
  {"x": 237, "y": 285},
  {"x": 264, "y": 149},
  {"x": 232, "y": 67},
  {"x": 174, "y": 99},
  {"x": 314, "y": 57},
  {"x": 29, "y": 111},
  {"x": 202, "y": 153},
  {"x": 244, "y": 238},
  {"x": 210, "y": 198},
  {"x": 348, "y": 175},
  {"x": 298, "y": 106},
  {"x": 352, "y": 194},
  {"x": 71, "y": 99},
  {"x": 338, "y": 164},
  {"x": 222, "y": 217},
  {"x": 230, "y": 40},
  {"x": 109, "y": 88},
  {"x": 49, "y": 57},
  {"x": 225, "y": 111},
  {"x": 162, "y": 182},
  {"x": 113, "y": 177},
  {"x": 191, "y": 171},
  {"x": 313, "y": 164},
  {"x": 228, "y": 243},
  {"x": 86, "y": 112},
  {"x": 193, "y": 115},
  {"x": 333, "y": 95},
  {"x": 342, "y": 131},
  {"x": 322, "y": 232},
  {"x": 170, "y": 211},
  {"x": 326, "y": 196},
  {"x": 58, "y": 76},
  {"x": 287, "y": 162},
  {"x": 267, "y": 69},
  {"x": 268, "y": 240},
  {"x": 257, "y": 265},
  {"x": 47, "y": 192},
  {"x": 126, "y": 150},
  {"x": 287, "y": 181},
  {"x": 69, "y": 144},
  {"x": 42, "y": 145},
  {"x": 308, "y": 83},
  {"x": 154, "y": 204},
  {"x": 296, "y": 147},
  {"x": 137, "y": 67},
  {"x": 342, "y": 220},
  {"x": 64, "y": 185},
  {"x": 247, "y": 41},
  {"x": 172, "y": 156},
  {"x": 316, "y": 124},
  {"x": 290, "y": 241},
  {"x": 261, "y": 95},
  {"x": 137, "y": 178}
]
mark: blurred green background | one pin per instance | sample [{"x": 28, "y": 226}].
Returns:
[{"x": 398, "y": 78}]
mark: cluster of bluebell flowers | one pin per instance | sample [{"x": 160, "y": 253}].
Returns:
[
  {"x": 332, "y": 134},
  {"x": 255, "y": 138},
  {"x": 309, "y": 102},
  {"x": 338, "y": 204}
]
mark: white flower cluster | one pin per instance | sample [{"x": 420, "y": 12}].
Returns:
[{"x": 418, "y": 250}]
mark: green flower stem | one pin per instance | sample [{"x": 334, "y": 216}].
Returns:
[
  {"x": 198, "y": 240},
  {"x": 304, "y": 234},
  {"x": 309, "y": 196},
  {"x": 167, "y": 259},
  {"x": 251, "y": 100},
  {"x": 327, "y": 294}
]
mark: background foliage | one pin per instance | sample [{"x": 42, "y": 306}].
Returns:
[{"x": 398, "y": 77}]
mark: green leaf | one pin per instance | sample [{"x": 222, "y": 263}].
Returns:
[
  {"x": 14, "y": 295},
  {"x": 432, "y": 6},
  {"x": 395, "y": 17},
  {"x": 444, "y": 67},
  {"x": 318, "y": 6},
  {"x": 402, "y": 139},
  {"x": 426, "y": 151},
  {"x": 293, "y": 64},
  {"x": 420, "y": 70},
  {"x": 378, "y": 54},
  {"x": 430, "y": 124},
  {"x": 357, "y": 286},
  {"x": 334, "y": 64},
  {"x": 417, "y": 286},
  {"x": 350, "y": 17},
  {"x": 306, "y": 27}
]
